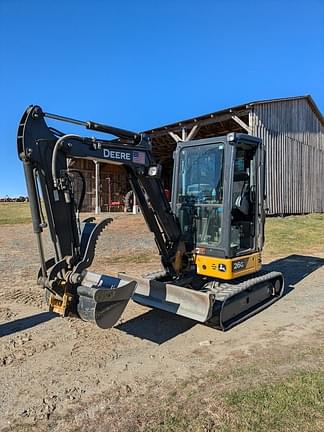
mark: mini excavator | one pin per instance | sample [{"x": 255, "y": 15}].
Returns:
[{"x": 210, "y": 238}]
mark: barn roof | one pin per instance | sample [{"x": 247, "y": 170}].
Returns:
[
  {"x": 239, "y": 110},
  {"x": 308, "y": 98}
]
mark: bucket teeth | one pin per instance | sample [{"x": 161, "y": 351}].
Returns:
[{"x": 90, "y": 234}]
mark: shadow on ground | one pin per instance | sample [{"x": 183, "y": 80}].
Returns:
[
  {"x": 295, "y": 268},
  {"x": 25, "y": 323},
  {"x": 159, "y": 326}
]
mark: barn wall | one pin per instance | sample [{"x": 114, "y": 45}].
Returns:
[
  {"x": 118, "y": 184},
  {"x": 294, "y": 141}
]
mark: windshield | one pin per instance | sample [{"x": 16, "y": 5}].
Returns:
[{"x": 199, "y": 203}]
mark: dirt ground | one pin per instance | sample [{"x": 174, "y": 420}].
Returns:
[{"x": 60, "y": 373}]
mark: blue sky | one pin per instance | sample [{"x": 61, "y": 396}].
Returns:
[{"x": 140, "y": 64}]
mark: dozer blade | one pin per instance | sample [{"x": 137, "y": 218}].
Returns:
[
  {"x": 102, "y": 299},
  {"x": 221, "y": 305},
  {"x": 196, "y": 305}
]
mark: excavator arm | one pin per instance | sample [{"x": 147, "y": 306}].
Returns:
[{"x": 45, "y": 153}]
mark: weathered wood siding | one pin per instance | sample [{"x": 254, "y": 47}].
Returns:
[
  {"x": 118, "y": 187},
  {"x": 294, "y": 140}
]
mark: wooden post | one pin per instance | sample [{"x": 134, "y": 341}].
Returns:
[
  {"x": 97, "y": 184},
  {"x": 191, "y": 135},
  {"x": 242, "y": 123},
  {"x": 135, "y": 206},
  {"x": 175, "y": 136}
]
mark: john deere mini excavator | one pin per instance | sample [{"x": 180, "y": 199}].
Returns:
[{"x": 210, "y": 239}]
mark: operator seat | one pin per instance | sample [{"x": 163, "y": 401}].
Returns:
[{"x": 241, "y": 196}]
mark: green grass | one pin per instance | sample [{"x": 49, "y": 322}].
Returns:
[
  {"x": 293, "y": 404},
  {"x": 14, "y": 213},
  {"x": 276, "y": 393},
  {"x": 294, "y": 234}
]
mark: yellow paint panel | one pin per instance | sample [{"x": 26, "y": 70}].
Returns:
[{"x": 228, "y": 268}]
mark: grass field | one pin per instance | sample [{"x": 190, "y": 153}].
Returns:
[
  {"x": 292, "y": 404},
  {"x": 258, "y": 397},
  {"x": 291, "y": 234},
  {"x": 13, "y": 213}
]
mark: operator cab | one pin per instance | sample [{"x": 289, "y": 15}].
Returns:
[{"x": 218, "y": 194}]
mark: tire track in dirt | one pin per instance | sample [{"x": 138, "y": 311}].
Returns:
[{"x": 26, "y": 297}]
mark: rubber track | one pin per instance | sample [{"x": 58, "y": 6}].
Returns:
[{"x": 226, "y": 290}]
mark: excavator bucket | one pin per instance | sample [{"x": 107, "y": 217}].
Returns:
[{"x": 102, "y": 299}]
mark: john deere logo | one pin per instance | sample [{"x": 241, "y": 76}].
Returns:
[{"x": 222, "y": 267}]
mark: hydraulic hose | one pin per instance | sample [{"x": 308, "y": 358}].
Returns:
[{"x": 55, "y": 152}]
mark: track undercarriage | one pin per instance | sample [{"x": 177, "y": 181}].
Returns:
[
  {"x": 219, "y": 304},
  {"x": 101, "y": 299}
]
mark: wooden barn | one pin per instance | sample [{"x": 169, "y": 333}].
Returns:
[{"x": 292, "y": 130}]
